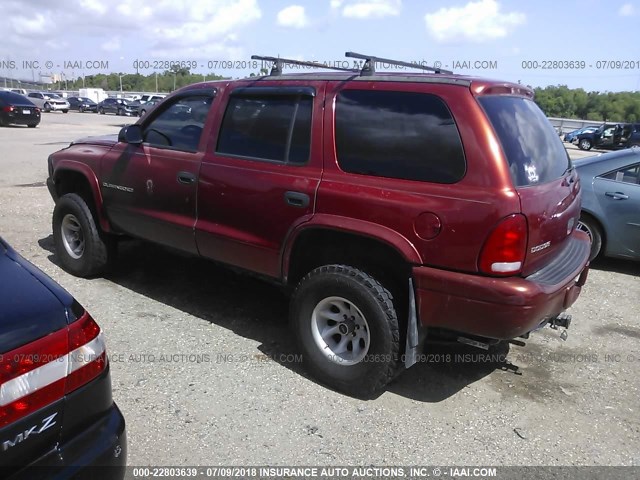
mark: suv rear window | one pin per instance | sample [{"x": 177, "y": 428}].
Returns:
[
  {"x": 533, "y": 148},
  {"x": 398, "y": 135}
]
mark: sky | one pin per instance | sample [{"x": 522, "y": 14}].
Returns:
[{"x": 590, "y": 44}]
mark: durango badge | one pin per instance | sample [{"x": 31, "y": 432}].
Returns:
[{"x": 542, "y": 246}]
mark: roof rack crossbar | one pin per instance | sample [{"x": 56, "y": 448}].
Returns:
[
  {"x": 278, "y": 63},
  {"x": 369, "y": 67}
]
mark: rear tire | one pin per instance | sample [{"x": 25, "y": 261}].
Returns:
[
  {"x": 588, "y": 225},
  {"x": 585, "y": 144},
  {"x": 101, "y": 111},
  {"x": 32, "y": 126},
  {"x": 347, "y": 329},
  {"x": 81, "y": 248},
  {"x": 47, "y": 107}
]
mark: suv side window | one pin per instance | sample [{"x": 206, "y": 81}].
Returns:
[
  {"x": 403, "y": 135},
  {"x": 267, "y": 127},
  {"x": 629, "y": 174},
  {"x": 179, "y": 125}
]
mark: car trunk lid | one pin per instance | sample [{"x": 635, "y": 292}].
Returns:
[{"x": 542, "y": 174}]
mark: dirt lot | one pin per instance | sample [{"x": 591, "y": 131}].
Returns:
[{"x": 204, "y": 369}]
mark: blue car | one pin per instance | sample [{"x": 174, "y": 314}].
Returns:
[
  {"x": 57, "y": 415},
  {"x": 611, "y": 203},
  {"x": 569, "y": 137}
]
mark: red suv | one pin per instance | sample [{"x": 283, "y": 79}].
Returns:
[{"x": 394, "y": 206}]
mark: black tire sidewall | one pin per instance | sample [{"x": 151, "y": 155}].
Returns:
[
  {"x": 90, "y": 262},
  {"x": 596, "y": 237},
  {"x": 364, "y": 377}
]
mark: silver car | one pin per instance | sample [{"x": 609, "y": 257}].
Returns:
[
  {"x": 611, "y": 203},
  {"x": 48, "y": 101}
]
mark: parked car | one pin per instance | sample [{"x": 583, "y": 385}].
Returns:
[
  {"x": 611, "y": 203},
  {"x": 16, "y": 109},
  {"x": 611, "y": 136},
  {"x": 143, "y": 108},
  {"x": 150, "y": 96},
  {"x": 20, "y": 91},
  {"x": 57, "y": 415},
  {"x": 393, "y": 206},
  {"x": 571, "y": 135},
  {"x": 48, "y": 102},
  {"x": 115, "y": 105},
  {"x": 83, "y": 104}
]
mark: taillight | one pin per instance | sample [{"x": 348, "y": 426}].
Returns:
[
  {"x": 504, "y": 251},
  {"x": 41, "y": 372},
  {"x": 9, "y": 109}
]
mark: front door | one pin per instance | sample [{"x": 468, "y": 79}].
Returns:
[{"x": 150, "y": 190}]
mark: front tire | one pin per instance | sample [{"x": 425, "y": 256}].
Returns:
[
  {"x": 347, "y": 329},
  {"x": 588, "y": 225},
  {"x": 47, "y": 107},
  {"x": 81, "y": 248},
  {"x": 101, "y": 111}
]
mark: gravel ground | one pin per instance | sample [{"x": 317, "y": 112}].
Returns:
[{"x": 205, "y": 372}]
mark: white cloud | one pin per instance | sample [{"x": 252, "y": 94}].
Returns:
[
  {"x": 111, "y": 45},
  {"x": 476, "y": 21},
  {"x": 293, "y": 16},
  {"x": 172, "y": 28},
  {"x": 24, "y": 25},
  {"x": 367, "y": 8},
  {"x": 627, "y": 10},
  {"x": 94, "y": 6}
]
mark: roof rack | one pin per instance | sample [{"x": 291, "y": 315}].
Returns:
[
  {"x": 369, "y": 67},
  {"x": 278, "y": 62}
]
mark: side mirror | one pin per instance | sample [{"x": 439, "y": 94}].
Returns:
[{"x": 131, "y": 134}]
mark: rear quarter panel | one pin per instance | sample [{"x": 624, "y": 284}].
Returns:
[{"x": 467, "y": 209}]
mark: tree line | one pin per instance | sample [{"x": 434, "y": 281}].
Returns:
[{"x": 564, "y": 102}]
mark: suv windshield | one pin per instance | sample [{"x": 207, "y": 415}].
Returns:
[{"x": 533, "y": 149}]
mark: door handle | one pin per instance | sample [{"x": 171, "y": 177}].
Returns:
[
  {"x": 186, "y": 177},
  {"x": 297, "y": 199},
  {"x": 617, "y": 195}
]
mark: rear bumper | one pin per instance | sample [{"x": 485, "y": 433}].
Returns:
[
  {"x": 500, "y": 308},
  {"x": 98, "y": 452},
  {"x": 11, "y": 119}
]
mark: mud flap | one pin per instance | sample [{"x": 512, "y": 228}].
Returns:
[{"x": 411, "y": 346}]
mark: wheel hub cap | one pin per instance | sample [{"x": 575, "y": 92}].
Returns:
[
  {"x": 72, "y": 236},
  {"x": 340, "y": 330}
]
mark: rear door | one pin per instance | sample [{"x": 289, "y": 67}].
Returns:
[
  {"x": 542, "y": 174},
  {"x": 260, "y": 175}
]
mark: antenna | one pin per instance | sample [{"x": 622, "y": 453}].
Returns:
[
  {"x": 369, "y": 67},
  {"x": 278, "y": 63}
]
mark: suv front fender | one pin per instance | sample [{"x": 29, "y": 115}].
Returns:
[{"x": 64, "y": 168}]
